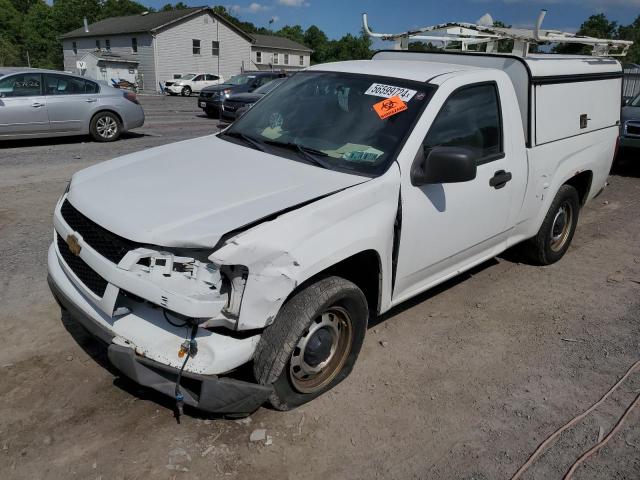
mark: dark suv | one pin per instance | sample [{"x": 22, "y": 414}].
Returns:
[{"x": 211, "y": 98}]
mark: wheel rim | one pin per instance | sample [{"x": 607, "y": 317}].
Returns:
[
  {"x": 561, "y": 226},
  {"x": 322, "y": 351},
  {"x": 186, "y": 91},
  {"x": 107, "y": 127}
]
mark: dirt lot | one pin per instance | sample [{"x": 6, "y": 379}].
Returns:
[{"x": 463, "y": 382}]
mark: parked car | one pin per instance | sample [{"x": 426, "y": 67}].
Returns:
[
  {"x": 46, "y": 103},
  {"x": 630, "y": 124},
  {"x": 190, "y": 83},
  {"x": 237, "y": 104},
  {"x": 211, "y": 98},
  {"x": 348, "y": 190}
]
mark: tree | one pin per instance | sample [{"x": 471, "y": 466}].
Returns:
[
  {"x": 294, "y": 33},
  {"x": 177, "y": 6},
  {"x": 40, "y": 37},
  {"x": 23, "y": 6},
  {"x": 68, "y": 14},
  {"x": 597, "y": 26},
  {"x": 315, "y": 39},
  {"x": 423, "y": 47},
  {"x": 10, "y": 34},
  {"x": 631, "y": 32},
  {"x": 120, "y": 8}
]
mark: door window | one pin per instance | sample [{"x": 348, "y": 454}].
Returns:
[
  {"x": 211, "y": 78},
  {"x": 22, "y": 85},
  {"x": 199, "y": 78},
  {"x": 470, "y": 118},
  {"x": 65, "y": 85}
]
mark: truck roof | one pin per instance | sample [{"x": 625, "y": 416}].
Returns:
[{"x": 419, "y": 71}]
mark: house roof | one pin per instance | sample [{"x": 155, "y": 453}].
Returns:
[
  {"x": 113, "y": 57},
  {"x": 271, "y": 41},
  {"x": 148, "y": 22}
]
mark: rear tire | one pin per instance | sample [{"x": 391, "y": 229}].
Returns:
[
  {"x": 105, "y": 127},
  {"x": 559, "y": 225},
  {"x": 313, "y": 343}
]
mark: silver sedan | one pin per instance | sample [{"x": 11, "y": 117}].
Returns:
[{"x": 45, "y": 103}]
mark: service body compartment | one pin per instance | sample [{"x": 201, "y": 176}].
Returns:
[{"x": 572, "y": 108}]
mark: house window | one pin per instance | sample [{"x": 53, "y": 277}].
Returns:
[
  {"x": 286, "y": 59},
  {"x": 275, "y": 59},
  {"x": 98, "y": 44},
  {"x": 107, "y": 44},
  {"x": 302, "y": 60},
  {"x": 215, "y": 48},
  {"x": 258, "y": 57},
  {"x": 196, "y": 47},
  {"x": 74, "y": 46},
  {"x": 134, "y": 45}
]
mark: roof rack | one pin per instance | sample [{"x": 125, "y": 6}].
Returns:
[{"x": 462, "y": 35}]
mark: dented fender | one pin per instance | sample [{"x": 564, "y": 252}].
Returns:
[{"x": 284, "y": 252}]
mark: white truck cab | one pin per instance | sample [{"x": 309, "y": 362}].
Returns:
[{"x": 349, "y": 189}]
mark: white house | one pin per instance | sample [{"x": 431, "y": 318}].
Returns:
[{"x": 167, "y": 44}]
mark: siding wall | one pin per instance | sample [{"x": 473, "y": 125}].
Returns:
[
  {"x": 120, "y": 44},
  {"x": 267, "y": 59},
  {"x": 175, "y": 49}
]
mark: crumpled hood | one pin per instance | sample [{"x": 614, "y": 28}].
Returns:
[{"x": 189, "y": 194}]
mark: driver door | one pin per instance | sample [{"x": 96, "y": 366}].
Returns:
[{"x": 448, "y": 226}]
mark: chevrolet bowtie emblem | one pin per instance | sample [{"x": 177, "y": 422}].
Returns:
[{"x": 73, "y": 244}]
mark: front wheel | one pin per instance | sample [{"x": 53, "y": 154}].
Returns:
[
  {"x": 313, "y": 343},
  {"x": 559, "y": 225},
  {"x": 186, "y": 92}
]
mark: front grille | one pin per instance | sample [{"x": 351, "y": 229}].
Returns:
[
  {"x": 206, "y": 94},
  {"x": 168, "y": 84},
  {"x": 107, "y": 244},
  {"x": 84, "y": 272},
  {"x": 633, "y": 129}
]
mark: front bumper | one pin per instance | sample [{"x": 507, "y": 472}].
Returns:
[
  {"x": 205, "y": 392},
  {"x": 629, "y": 142},
  {"x": 174, "y": 89},
  {"x": 210, "y": 103}
]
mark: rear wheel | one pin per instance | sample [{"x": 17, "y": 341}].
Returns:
[
  {"x": 559, "y": 225},
  {"x": 105, "y": 127},
  {"x": 186, "y": 92},
  {"x": 313, "y": 343}
]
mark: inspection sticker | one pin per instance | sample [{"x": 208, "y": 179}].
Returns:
[
  {"x": 388, "y": 91},
  {"x": 389, "y": 107}
]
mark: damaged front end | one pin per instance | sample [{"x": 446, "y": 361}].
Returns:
[{"x": 166, "y": 313}]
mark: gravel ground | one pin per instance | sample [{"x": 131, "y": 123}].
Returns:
[{"x": 463, "y": 382}]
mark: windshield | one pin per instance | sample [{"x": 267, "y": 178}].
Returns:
[
  {"x": 348, "y": 122},
  {"x": 188, "y": 76},
  {"x": 267, "y": 87},
  {"x": 240, "y": 79}
]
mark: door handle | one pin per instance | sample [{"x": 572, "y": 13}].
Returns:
[
  {"x": 37, "y": 105},
  {"x": 500, "y": 179},
  {"x": 91, "y": 100}
]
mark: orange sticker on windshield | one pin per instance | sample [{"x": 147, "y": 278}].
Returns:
[{"x": 389, "y": 106}]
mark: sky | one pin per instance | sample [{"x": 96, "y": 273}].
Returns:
[{"x": 338, "y": 17}]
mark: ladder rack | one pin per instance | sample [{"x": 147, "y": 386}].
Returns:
[{"x": 466, "y": 34}]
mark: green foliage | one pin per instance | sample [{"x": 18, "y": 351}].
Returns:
[
  {"x": 34, "y": 26},
  {"x": 120, "y": 8}
]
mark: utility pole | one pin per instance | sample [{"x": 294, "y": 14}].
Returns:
[{"x": 28, "y": 60}]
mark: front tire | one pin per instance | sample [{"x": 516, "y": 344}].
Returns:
[
  {"x": 557, "y": 230},
  {"x": 211, "y": 113},
  {"x": 313, "y": 343},
  {"x": 186, "y": 92},
  {"x": 105, "y": 127}
]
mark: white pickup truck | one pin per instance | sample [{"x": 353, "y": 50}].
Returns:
[{"x": 351, "y": 188}]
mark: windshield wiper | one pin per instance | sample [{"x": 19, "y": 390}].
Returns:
[
  {"x": 247, "y": 139},
  {"x": 309, "y": 154}
]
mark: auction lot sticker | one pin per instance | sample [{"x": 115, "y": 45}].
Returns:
[
  {"x": 389, "y": 107},
  {"x": 388, "y": 91}
]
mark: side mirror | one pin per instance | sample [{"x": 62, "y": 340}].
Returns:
[{"x": 443, "y": 165}]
